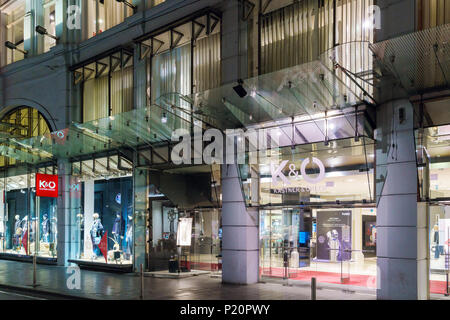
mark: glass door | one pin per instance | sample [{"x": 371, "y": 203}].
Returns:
[{"x": 284, "y": 242}]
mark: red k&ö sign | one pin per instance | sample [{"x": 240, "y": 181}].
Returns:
[{"x": 46, "y": 185}]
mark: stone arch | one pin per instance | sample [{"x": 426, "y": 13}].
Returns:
[
  {"x": 22, "y": 122},
  {"x": 12, "y": 104}
]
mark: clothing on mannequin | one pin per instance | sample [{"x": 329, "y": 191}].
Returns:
[
  {"x": 45, "y": 224},
  {"x": 118, "y": 229},
  {"x": 333, "y": 244},
  {"x": 96, "y": 233},
  {"x": 17, "y": 232},
  {"x": 129, "y": 238}
]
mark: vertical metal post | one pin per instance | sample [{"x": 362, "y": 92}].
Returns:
[
  {"x": 313, "y": 289},
  {"x": 34, "y": 271},
  {"x": 142, "y": 281}
]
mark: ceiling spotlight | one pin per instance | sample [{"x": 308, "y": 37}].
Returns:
[
  {"x": 128, "y": 4},
  {"x": 12, "y": 46},
  {"x": 239, "y": 89},
  {"x": 164, "y": 118},
  {"x": 44, "y": 32}
]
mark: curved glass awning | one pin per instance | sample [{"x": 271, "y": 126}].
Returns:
[
  {"x": 306, "y": 89},
  {"x": 419, "y": 60},
  {"x": 305, "y": 94}
]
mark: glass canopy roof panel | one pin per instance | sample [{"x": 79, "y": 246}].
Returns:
[
  {"x": 419, "y": 60},
  {"x": 301, "y": 90}
]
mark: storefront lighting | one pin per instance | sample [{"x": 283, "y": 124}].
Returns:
[
  {"x": 44, "y": 32},
  {"x": 12, "y": 46},
  {"x": 128, "y": 4},
  {"x": 164, "y": 118}
]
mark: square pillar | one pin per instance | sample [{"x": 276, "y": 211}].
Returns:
[
  {"x": 240, "y": 225},
  {"x": 401, "y": 221}
]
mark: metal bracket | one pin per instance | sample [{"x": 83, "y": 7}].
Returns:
[{"x": 248, "y": 9}]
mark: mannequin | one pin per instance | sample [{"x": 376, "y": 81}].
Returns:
[
  {"x": 17, "y": 232},
  {"x": 438, "y": 249},
  {"x": 118, "y": 228},
  {"x": 96, "y": 233},
  {"x": 53, "y": 230},
  {"x": 333, "y": 244},
  {"x": 33, "y": 225},
  {"x": 24, "y": 224},
  {"x": 80, "y": 222},
  {"x": 129, "y": 238},
  {"x": 45, "y": 228}
]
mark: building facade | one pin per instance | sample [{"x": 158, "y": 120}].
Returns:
[{"x": 336, "y": 167}]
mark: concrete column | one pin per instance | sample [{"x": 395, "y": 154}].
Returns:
[
  {"x": 240, "y": 247},
  {"x": 234, "y": 42},
  {"x": 67, "y": 240},
  {"x": 401, "y": 223},
  {"x": 140, "y": 217},
  {"x": 3, "y": 23},
  {"x": 69, "y": 22}
]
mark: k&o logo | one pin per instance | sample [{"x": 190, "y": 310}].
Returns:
[{"x": 277, "y": 172}]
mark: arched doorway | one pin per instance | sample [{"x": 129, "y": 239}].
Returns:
[{"x": 21, "y": 123}]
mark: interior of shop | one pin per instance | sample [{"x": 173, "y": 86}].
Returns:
[
  {"x": 102, "y": 203},
  {"x": 173, "y": 246},
  {"x": 28, "y": 224},
  {"x": 323, "y": 224}
]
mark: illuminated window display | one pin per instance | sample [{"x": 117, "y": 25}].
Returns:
[
  {"x": 102, "y": 202},
  {"x": 28, "y": 223}
]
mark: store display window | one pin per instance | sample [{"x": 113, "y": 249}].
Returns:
[
  {"x": 28, "y": 223},
  {"x": 102, "y": 209}
]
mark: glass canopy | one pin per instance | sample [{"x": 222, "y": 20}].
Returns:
[
  {"x": 300, "y": 93},
  {"x": 303, "y": 90},
  {"x": 420, "y": 60}
]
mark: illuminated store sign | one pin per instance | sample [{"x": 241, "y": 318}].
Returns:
[
  {"x": 278, "y": 175},
  {"x": 46, "y": 185}
]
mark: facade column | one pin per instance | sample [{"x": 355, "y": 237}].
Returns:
[
  {"x": 140, "y": 217},
  {"x": 67, "y": 239},
  {"x": 68, "y": 20},
  {"x": 401, "y": 222},
  {"x": 240, "y": 249},
  {"x": 3, "y": 38}
]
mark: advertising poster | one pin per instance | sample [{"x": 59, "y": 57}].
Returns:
[
  {"x": 184, "y": 232},
  {"x": 334, "y": 235}
]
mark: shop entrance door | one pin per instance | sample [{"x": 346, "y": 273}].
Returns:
[
  {"x": 285, "y": 242},
  {"x": 205, "y": 251}
]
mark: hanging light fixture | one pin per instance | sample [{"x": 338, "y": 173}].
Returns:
[{"x": 164, "y": 118}]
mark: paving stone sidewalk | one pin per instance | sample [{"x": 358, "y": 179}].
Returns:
[{"x": 106, "y": 286}]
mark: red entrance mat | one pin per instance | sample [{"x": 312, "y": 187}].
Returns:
[{"x": 359, "y": 280}]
